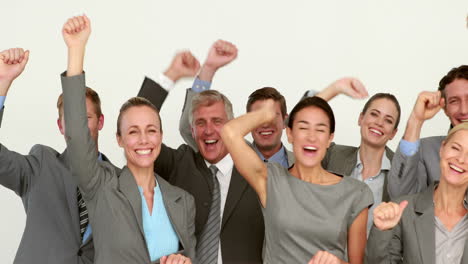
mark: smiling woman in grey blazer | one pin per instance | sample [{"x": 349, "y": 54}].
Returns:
[
  {"x": 136, "y": 216},
  {"x": 434, "y": 226}
]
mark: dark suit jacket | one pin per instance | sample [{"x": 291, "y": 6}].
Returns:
[
  {"x": 342, "y": 159},
  {"x": 412, "y": 241},
  {"x": 113, "y": 200},
  {"x": 44, "y": 182},
  {"x": 242, "y": 227}
]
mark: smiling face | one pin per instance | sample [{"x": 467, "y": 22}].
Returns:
[
  {"x": 456, "y": 101},
  {"x": 140, "y": 136},
  {"x": 454, "y": 159},
  {"x": 268, "y": 136},
  {"x": 378, "y": 123},
  {"x": 206, "y": 130},
  {"x": 310, "y": 136}
]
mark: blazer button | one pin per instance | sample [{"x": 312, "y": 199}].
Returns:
[
  {"x": 205, "y": 204},
  {"x": 80, "y": 252}
]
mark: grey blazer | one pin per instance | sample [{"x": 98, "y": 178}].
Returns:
[
  {"x": 44, "y": 182},
  {"x": 342, "y": 159},
  {"x": 186, "y": 131},
  {"x": 112, "y": 196},
  {"x": 412, "y": 241},
  {"x": 413, "y": 174}
]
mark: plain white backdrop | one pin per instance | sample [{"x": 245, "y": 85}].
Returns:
[{"x": 398, "y": 46}]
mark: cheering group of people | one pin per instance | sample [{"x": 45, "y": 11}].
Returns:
[{"x": 221, "y": 199}]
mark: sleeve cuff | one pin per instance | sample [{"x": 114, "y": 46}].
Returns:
[
  {"x": 166, "y": 83},
  {"x": 311, "y": 93},
  {"x": 200, "y": 85},
  {"x": 409, "y": 148},
  {"x": 2, "y": 101}
]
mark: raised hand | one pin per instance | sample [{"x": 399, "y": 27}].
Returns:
[
  {"x": 12, "y": 63},
  {"x": 221, "y": 53},
  {"x": 324, "y": 257},
  {"x": 387, "y": 215},
  {"x": 427, "y": 105},
  {"x": 76, "y": 31},
  {"x": 184, "y": 64},
  {"x": 175, "y": 259},
  {"x": 349, "y": 86}
]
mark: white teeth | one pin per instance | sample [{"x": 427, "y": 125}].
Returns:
[
  {"x": 456, "y": 168},
  {"x": 211, "y": 141},
  {"x": 266, "y": 133},
  {"x": 376, "y": 131},
  {"x": 310, "y": 148},
  {"x": 464, "y": 120},
  {"x": 144, "y": 152}
]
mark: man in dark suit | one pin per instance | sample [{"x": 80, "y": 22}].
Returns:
[
  {"x": 57, "y": 229},
  {"x": 234, "y": 206}
]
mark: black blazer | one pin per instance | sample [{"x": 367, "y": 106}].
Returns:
[{"x": 242, "y": 227}]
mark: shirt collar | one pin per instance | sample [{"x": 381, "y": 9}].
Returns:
[
  {"x": 278, "y": 157},
  {"x": 385, "y": 165},
  {"x": 224, "y": 166}
]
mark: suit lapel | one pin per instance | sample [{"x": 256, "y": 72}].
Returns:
[
  {"x": 237, "y": 187},
  {"x": 424, "y": 225},
  {"x": 129, "y": 188},
  {"x": 70, "y": 187},
  {"x": 173, "y": 203},
  {"x": 347, "y": 165}
]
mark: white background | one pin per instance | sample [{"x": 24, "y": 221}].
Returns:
[{"x": 396, "y": 46}]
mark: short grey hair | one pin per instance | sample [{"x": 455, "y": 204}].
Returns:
[{"x": 208, "y": 98}]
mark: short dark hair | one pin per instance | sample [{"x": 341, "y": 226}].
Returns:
[
  {"x": 267, "y": 93},
  {"x": 455, "y": 73},
  {"x": 134, "y": 102},
  {"x": 387, "y": 96},
  {"x": 91, "y": 94},
  {"x": 314, "y": 101}
]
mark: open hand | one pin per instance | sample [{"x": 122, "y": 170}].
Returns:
[{"x": 175, "y": 259}]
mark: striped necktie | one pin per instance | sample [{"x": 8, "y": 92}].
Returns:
[
  {"x": 83, "y": 213},
  {"x": 207, "y": 248}
]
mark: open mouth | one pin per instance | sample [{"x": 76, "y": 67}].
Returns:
[
  {"x": 266, "y": 133},
  {"x": 211, "y": 141},
  {"x": 456, "y": 168},
  {"x": 143, "y": 151},
  {"x": 463, "y": 120},
  {"x": 376, "y": 131},
  {"x": 310, "y": 149}
]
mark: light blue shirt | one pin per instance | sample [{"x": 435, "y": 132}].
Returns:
[
  {"x": 161, "y": 238},
  {"x": 280, "y": 157},
  {"x": 409, "y": 148},
  {"x": 2, "y": 101},
  {"x": 375, "y": 183},
  {"x": 199, "y": 86}
]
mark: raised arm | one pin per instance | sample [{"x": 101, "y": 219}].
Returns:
[
  {"x": 408, "y": 173},
  {"x": 16, "y": 170},
  {"x": 348, "y": 86},
  {"x": 83, "y": 155},
  {"x": 247, "y": 162},
  {"x": 220, "y": 54}
]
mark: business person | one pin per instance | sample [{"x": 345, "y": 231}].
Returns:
[
  {"x": 370, "y": 162},
  {"x": 416, "y": 162},
  {"x": 55, "y": 210},
  {"x": 227, "y": 207},
  {"x": 310, "y": 215},
  {"x": 137, "y": 217},
  {"x": 434, "y": 226}
]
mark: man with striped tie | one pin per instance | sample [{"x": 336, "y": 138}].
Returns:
[
  {"x": 229, "y": 223},
  {"x": 57, "y": 229}
]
